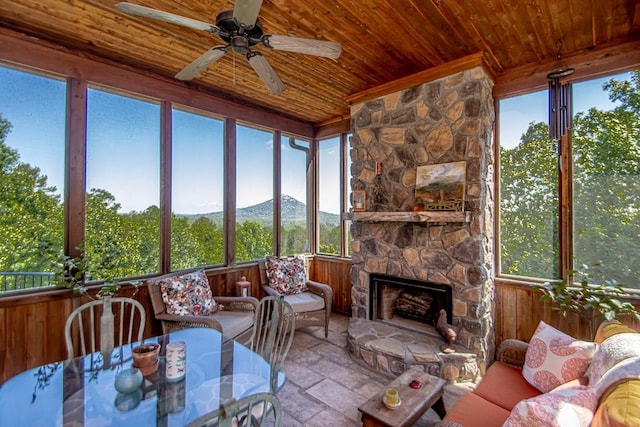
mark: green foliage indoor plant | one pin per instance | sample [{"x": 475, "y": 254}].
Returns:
[
  {"x": 71, "y": 273},
  {"x": 585, "y": 291}
]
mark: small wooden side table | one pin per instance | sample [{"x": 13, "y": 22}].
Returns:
[{"x": 415, "y": 402}]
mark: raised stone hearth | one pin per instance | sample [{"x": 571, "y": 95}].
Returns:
[{"x": 392, "y": 351}]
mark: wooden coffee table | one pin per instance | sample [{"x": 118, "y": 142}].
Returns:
[{"x": 414, "y": 402}]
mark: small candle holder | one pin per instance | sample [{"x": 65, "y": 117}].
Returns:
[{"x": 391, "y": 399}]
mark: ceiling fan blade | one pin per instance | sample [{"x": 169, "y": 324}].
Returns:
[
  {"x": 300, "y": 45},
  {"x": 202, "y": 63},
  {"x": 147, "y": 12},
  {"x": 245, "y": 12},
  {"x": 265, "y": 72}
]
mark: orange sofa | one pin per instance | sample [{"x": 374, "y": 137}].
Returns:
[{"x": 503, "y": 386}]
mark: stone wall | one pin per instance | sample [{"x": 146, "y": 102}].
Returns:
[{"x": 443, "y": 121}]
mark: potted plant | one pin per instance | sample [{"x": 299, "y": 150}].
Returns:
[
  {"x": 585, "y": 292},
  {"x": 71, "y": 273}
]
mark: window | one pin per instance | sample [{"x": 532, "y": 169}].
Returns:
[
  {"x": 329, "y": 196},
  {"x": 604, "y": 179},
  {"x": 123, "y": 172},
  {"x": 295, "y": 162},
  {"x": 254, "y": 193},
  {"x": 528, "y": 188},
  {"x": 197, "y": 196},
  {"x": 32, "y": 144},
  {"x": 606, "y": 176}
]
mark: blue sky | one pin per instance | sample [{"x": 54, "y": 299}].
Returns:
[
  {"x": 516, "y": 113},
  {"x": 123, "y": 145}
]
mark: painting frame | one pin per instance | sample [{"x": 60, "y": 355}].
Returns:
[
  {"x": 359, "y": 202},
  {"x": 441, "y": 187}
]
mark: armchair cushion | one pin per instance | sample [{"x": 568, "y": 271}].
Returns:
[
  {"x": 305, "y": 301},
  {"x": 554, "y": 358},
  {"x": 234, "y": 323},
  {"x": 187, "y": 294},
  {"x": 286, "y": 276}
]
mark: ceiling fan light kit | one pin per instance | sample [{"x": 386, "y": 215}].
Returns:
[{"x": 241, "y": 30}]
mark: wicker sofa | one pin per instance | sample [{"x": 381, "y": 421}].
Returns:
[{"x": 503, "y": 387}]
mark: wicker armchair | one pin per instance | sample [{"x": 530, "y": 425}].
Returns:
[
  {"x": 234, "y": 320},
  {"x": 318, "y": 294}
]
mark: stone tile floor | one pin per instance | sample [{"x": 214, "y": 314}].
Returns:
[{"x": 325, "y": 386}]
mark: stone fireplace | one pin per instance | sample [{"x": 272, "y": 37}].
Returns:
[{"x": 446, "y": 120}]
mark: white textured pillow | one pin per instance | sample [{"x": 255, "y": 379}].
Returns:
[
  {"x": 568, "y": 406},
  {"x": 612, "y": 351},
  {"x": 554, "y": 358}
]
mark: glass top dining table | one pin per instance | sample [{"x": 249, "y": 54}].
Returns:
[{"x": 82, "y": 391}]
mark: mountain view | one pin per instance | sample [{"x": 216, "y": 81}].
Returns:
[{"x": 293, "y": 213}]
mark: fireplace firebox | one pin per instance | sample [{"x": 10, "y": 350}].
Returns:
[{"x": 409, "y": 303}]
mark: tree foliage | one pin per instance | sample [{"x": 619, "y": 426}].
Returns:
[{"x": 606, "y": 172}]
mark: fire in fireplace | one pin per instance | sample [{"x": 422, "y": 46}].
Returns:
[{"x": 410, "y": 303}]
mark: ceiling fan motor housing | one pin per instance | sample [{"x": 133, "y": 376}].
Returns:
[{"x": 238, "y": 36}]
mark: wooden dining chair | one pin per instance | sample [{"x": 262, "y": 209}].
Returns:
[
  {"x": 260, "y": 409},
  {"x": 274, "y": 326},
  {"x": 121, "y": 321}
]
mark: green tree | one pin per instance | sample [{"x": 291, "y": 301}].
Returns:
[
  {"x": 31, "y": 215},
  {"x": 606, "y": 158},
  {"x": 253, "y": 241}
]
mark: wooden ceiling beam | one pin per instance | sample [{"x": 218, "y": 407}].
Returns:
[
  {"x": 431, "y": 74},
  {"x": 591, "y": 63}
]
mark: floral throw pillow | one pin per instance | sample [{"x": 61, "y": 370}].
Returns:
[
  {"x": 554, "y": 358},
  {"x": 567, "y": 406},
  {"x": 188, "y": 294},
  {"x": 286, "y": 276}
]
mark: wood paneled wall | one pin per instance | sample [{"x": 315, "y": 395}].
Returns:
[{"x": 32, "y": 331}]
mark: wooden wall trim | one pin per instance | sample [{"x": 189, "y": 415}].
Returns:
[
  {"x": 333, "y": 127},
  {"x": 24, "y": 51},
  {"x": 431, "y": 74},
  {"x": 595, "y": 62}
]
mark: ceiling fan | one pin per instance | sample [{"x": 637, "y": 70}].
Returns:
[{"x": 240, "y": 29}]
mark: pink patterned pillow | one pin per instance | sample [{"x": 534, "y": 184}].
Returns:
[
  {"x": 567, "y": 406},
  {"x": 554, "y": 358},
  {"x": 188, "y": 294},
  {"x": 287, "y": 276}
]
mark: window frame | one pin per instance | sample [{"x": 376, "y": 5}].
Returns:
[{"x": 565, "y": 182}]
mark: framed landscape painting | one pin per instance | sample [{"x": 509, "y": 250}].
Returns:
[{"x": 441, "y": 187}]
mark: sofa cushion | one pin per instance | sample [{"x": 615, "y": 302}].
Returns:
[
  {"x": 610, "y": 328},
  {"x": 472, "y": 410},
  {"x": 554, "y": 358},
  {"x": 286, "y": 276},
  {"x": 620, "y": 407},
  {"x": 614, "y": 350},
  {"x": 570, "y": 405},
  {"x": 305, "y": 302},
  {"x": 504, "y": 385}
]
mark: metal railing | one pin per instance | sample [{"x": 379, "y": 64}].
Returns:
[{"x": 14, "y": 281}]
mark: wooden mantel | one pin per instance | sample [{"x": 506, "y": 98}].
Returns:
[{"x": 430, "y": 216}]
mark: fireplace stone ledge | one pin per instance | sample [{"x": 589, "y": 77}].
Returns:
[{"x": 392, "y": 350}]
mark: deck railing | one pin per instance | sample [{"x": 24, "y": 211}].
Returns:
[{"x": 14, "y": 281}]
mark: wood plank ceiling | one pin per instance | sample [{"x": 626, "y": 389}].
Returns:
[{"x": 382, "y": 40}]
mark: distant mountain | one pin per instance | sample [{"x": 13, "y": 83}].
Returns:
[{"x": 293, "y": 212}]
